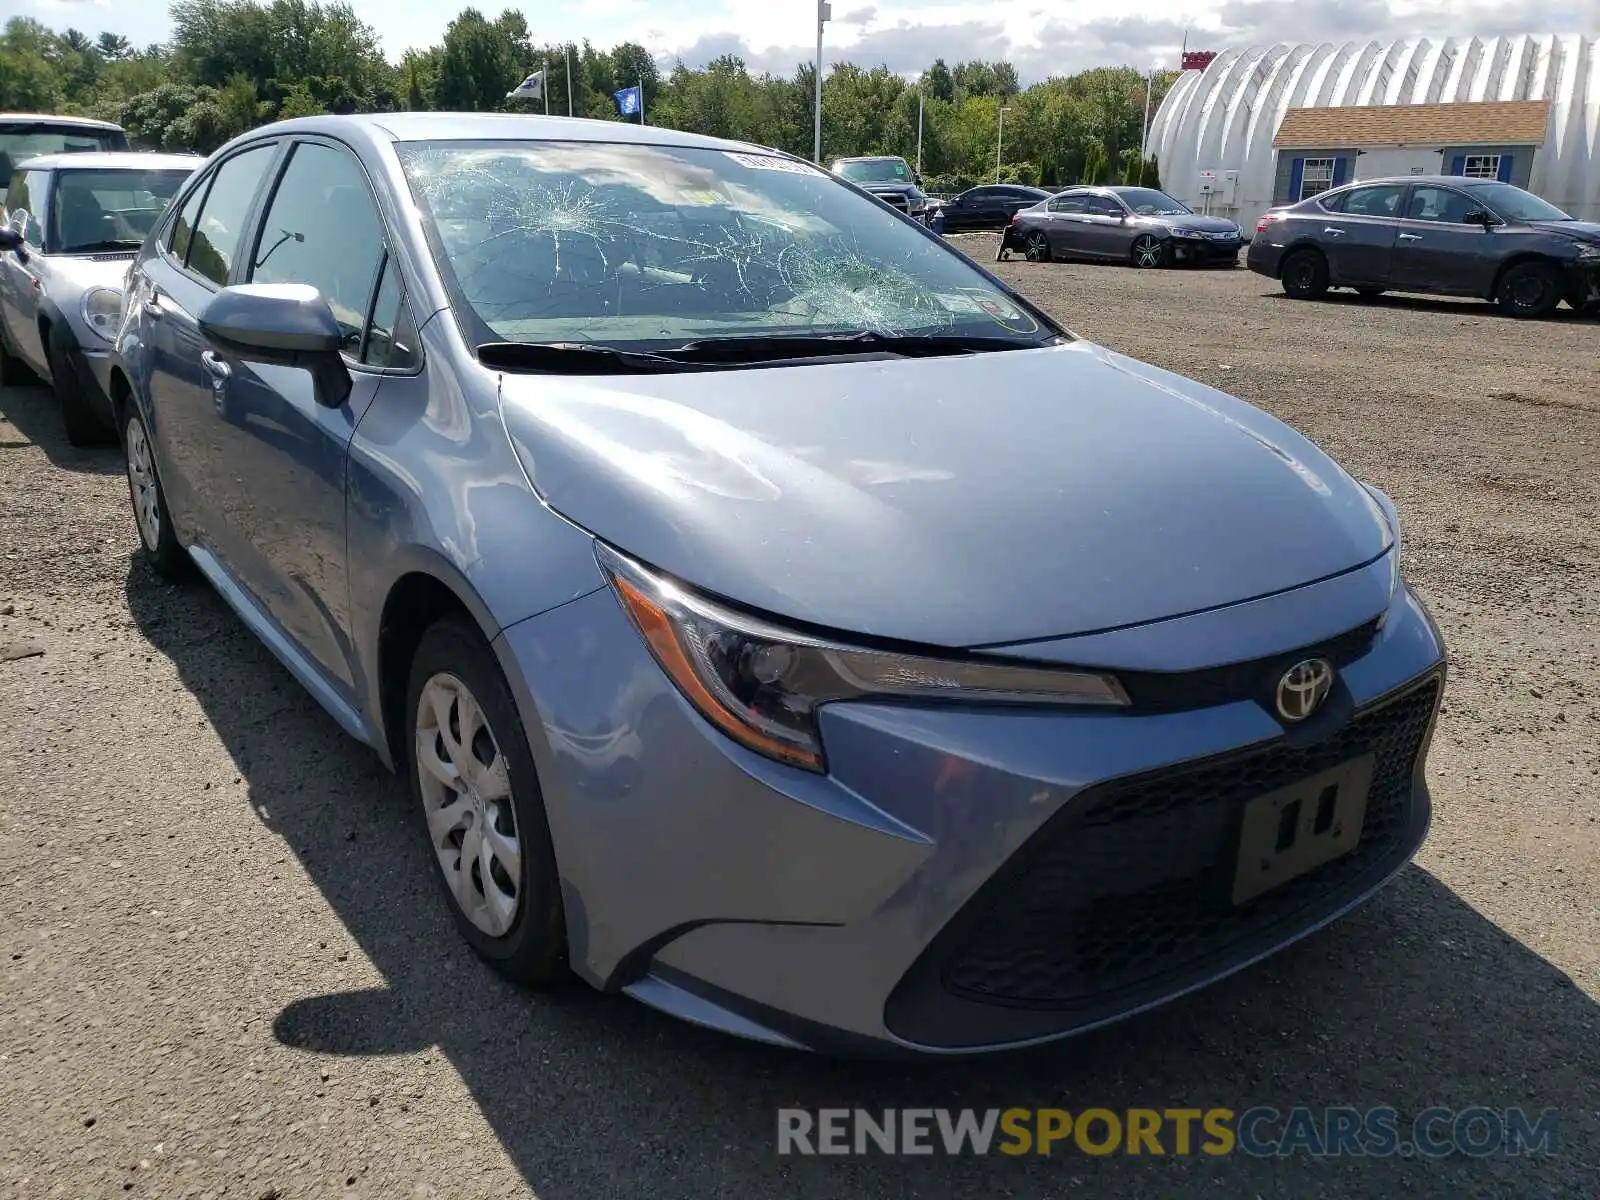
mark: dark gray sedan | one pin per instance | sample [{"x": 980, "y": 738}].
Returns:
[
  {"x": 1124, "y": 224},
  {"x": 1441, "y": 234}
]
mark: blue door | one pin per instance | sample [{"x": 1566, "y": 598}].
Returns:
[{"x": 285, "y": 449}]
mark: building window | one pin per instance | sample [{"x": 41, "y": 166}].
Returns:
[
  {"x": 1482, "y": 166},
  {"x": 1315, "y": 177}
]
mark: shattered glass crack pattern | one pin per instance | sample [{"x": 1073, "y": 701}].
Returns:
[{"x": 634, "y": 243}]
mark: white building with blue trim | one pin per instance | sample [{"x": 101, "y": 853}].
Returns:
[{"x": 1270, "y": 125}]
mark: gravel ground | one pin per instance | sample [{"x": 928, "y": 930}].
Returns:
[{"x": 226, "y": 970}]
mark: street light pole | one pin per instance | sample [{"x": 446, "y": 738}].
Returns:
[
  {"x": 999, "y": 141},
  {"x": 824, "y": 13}
]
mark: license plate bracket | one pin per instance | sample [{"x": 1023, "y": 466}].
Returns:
[{"x": 1295, "y": 829}]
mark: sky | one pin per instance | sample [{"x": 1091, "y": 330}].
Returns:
[{"x": 1041, "y": 37}]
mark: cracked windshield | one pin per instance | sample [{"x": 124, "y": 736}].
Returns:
[{"x": 630, "y": 245}]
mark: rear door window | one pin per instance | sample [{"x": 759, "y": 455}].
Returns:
[
  {"x": 1380, "y": 200},
  {"x": 1072, "y": 203}
]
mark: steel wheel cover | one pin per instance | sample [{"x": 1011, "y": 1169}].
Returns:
[
  {"x": 466, "y": 798},
  {"x": 142, "y": 485}
]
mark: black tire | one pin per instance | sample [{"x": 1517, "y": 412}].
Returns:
[
  {"x": 13, "y": 371},
  {"x": 1530, "y": 290},
  {"x": 1148, "y": 252},
  {"x": 1369, "y": 293},
  {"x": 533, "y": 950},
  {"x": 1036, "y": 247},
  {"x": 166, "y": 554},
  {"x": 1305, "y": 275},
  {"x": 82, "y": 422}
]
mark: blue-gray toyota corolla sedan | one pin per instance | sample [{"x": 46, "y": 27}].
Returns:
[{"x": 778, "y": 618}]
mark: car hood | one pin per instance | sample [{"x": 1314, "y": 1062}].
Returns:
[
  {"x": 69, "y": 276},
  {"x": 962, "y": 501},
  {"x": 889, "y": 188},
  {"x": 1204, "y": 224},
  {"x": 1585, "y": 231}
]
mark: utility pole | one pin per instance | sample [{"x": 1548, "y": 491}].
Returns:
[
  {"x": 999, "y": 140},
  {"x": 1144, "y": 138},
  {"x": 824, "y": 14},
  {"x": 568, "y": 56},
  {"x": 919, "y": 131}
]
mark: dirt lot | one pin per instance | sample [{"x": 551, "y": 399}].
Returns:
[{"x": 226, "y": 970}]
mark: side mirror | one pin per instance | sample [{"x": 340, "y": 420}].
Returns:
[
  {"x": 283, "y": 324},
  {"x": 10, "y": 239},
  {"x": 1479, "y": 216}
]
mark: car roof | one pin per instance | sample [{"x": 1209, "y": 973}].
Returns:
[
  {"x": 110, "y": 160},
  {"x": 448, "y": 126},
  {"x": 871, "y": 158},
  {"x": 1452, "y": 180},
  {"x": 7, "y": 118}
]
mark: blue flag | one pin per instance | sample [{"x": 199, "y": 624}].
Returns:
[{"x": 630, "y": 101}]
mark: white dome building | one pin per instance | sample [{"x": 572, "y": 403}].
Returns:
[{"x": 1272, "y": 124}]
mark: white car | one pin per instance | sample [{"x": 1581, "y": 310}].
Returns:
[{"x": 74, "y": 224}]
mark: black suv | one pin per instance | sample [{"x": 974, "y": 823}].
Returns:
[
  {"x": 889, "y": 178},
  {"x": 1445, "y": 234}
]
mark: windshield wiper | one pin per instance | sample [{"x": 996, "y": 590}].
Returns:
[
  {"x": 572, "y": 358},
  {"x": 770, "y": 347},
  {"x": 107, "y": 244},
  {"x": 590, "y": 358}
]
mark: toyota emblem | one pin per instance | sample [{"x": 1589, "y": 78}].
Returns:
[{"x": 1303, "y": 688}]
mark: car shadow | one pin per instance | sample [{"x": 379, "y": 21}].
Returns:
[
  {"x": 1454, "y": 306},
  {"x": 1414, "y": 1000},
  {"x": 32, "y": 408}
]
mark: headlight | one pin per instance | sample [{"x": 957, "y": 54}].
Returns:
[
  {"x": 1187, "y": 233},
  {"x": 762, "y": 684},
  {"x": 1588, "y": 252},
  {"x": 102, "y": 311},
  {"x": 1391, "y": 517}
]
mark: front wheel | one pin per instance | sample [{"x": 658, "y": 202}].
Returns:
[
  {"x": 1531, "y": 289},
  {"x": 473, "y": 777},
  {"x": 1148, "y": 251},
  {"x": 1305, "y": 275},
  {"x": 1037, "y": 247},
  {"x": 149, "y": 501},
  {"x": 83, "y": 425}
]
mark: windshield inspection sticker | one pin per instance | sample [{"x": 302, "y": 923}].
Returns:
[
  {"x": 1000, "y": 310},
  {"x": 771, "y": 162},
  {"x": 957, "y": 303}
]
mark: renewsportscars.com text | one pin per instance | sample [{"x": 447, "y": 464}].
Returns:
[{"x": 1260, "y": 1132}]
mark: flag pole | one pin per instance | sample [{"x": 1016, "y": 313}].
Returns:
[
  {"x": 641, "y": 98},
  {"x": 568, "y": 55},
  {"x": 544, "y": 84}
]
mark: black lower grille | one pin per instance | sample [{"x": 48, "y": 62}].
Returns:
[{"x": 1126, "y": 895}]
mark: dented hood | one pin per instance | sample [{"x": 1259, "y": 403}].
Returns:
[{"x": 972, "y": 500}]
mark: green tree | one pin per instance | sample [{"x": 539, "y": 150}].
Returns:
[
  {"x": 478, "y": 64},
  {"x": 113, "y": 46},
  {"x": 1096, "y": 164}
]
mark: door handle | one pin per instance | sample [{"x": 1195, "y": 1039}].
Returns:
[
  {"x": 1410, "y": 237},
  {"x": 219, "y": 371},
  {"x": 1332, "y": 232}
]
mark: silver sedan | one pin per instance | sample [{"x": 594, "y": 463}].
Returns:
[{"x": 74, "y": 223}]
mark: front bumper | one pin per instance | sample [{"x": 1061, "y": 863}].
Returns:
[
  {"x": 1205, "y": 252},
  {"x": 963, "y": 879}
]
